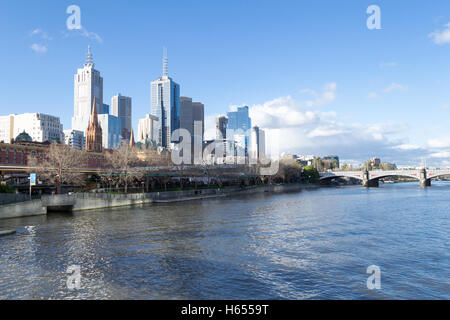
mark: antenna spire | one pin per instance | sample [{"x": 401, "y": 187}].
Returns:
[
  {"x": 89, "y": 61},
  {"x": 165, "y": 64}
]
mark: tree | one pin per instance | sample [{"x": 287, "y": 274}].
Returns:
[
  {"x": 59, "y": 165},
  {"x": 289, "y": 170},
  {"x": 311, "y": 174},
  {"x": 318, "y": 164},
  {"x": 124, "y": 162},
  {"x": 386, "y": 166},
  {"x": 346, "y": 167}
]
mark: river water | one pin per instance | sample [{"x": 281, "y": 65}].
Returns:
[{"x": 314, "y": 244}]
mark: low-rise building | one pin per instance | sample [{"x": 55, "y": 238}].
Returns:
[
  {"x": 41, "y": 127},
  {"x": 74, "y": 139}
]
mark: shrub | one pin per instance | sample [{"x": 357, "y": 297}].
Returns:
[{"x": 6, "y": 189}]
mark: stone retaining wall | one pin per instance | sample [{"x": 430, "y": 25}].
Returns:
[{"x": 92, "y": 201}]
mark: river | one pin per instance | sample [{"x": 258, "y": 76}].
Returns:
[{"x": 314, "y": 244}]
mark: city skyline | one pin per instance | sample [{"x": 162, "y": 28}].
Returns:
[{"x": 358, "y": 99}]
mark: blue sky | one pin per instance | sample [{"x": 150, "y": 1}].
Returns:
[{"x": 315, "y": 65}]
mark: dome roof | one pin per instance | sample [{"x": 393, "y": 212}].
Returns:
[{"x": 24, "y": 137}]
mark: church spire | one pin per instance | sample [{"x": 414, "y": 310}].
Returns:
[
  {"x": 165, "y": 64},
  {"x": 89, "y": 60},
  {"x": 94, "y": 133},
  {"x": 94, "y": 117},
  {"x": 132, "y": 143}
]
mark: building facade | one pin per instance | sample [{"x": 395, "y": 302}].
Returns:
[
  {"x": 148, "y": 129},
  {"x": 121, "y": 107},
  {"x": 111, "y": 131},
  {"x": 41, "y": 127},
  {"x": 192, "y": 114},
  {"x": 18, "y": 154},
  {"x": 74, "y": 139},
  {"x": 94, "y": 135},
  {"x": 88, "y": 86},
  {"x": 165, "y": 104},
  {"x": 105, "y": 109},
  {"x": 258, "y": 144},
  {"x": 221, "y": 128},
  {"x": 6, "y": 128},
  {"x": 239, "y": 130}
]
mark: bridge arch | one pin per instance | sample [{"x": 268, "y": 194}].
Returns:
[
  {"x": 382, "y": 176},
  {"x": 335, "y": 175}
]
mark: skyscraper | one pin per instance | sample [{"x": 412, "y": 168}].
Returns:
[
  {"x": 88, "y": 89},
  {"x": 165, "y": 104},
  {"x": 190, "y": 113},
  {"x": 239, "y": 128},
  {"x": 148, "y": 129},
  {"x": 258, "y": 144},
  {"x": 121, "y": 107},
  {"x": 221, "y": 127},
  {"x": 112, "y": 130},
  {"x": 88, "y": 86}
]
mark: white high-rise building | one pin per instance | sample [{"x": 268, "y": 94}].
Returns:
[
  {"x": 74, "y": 139},
  {"x": 88, "y": 84},
  {"x": 88, "y": 87},
  {"x": 121, "y": 107},
  {"x": 148, "y": 128},
  {"x": 7, "y": 128},
  {"x": 40, "y": 127},
  {"x": 165, "y": 104},
  {"x": 258, "y": 144}
]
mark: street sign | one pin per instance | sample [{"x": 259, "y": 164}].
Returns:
[{"x": 33, "y": 179}]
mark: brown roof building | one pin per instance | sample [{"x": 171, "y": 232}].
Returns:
[{"x": 94, "y": 133}]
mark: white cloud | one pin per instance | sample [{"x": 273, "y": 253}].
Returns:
[
  {"x": 325, "y": 131},
  {"x": 395, "y": 87},
  {"x": 41, "y": 33},
  {"x": 282, "y": 112},
  {"x": 439, "y": 143},
  {"x": 407, "y": 147},
  {"x": 298, "y": 129},
  {"x": 372, "y": 95},
  {"x": 83, "y": 32},
  {"x": 441, "y": 36},
  {"x": 327, "y": 96},
  {"x": 293, "y": 127},
  {"x": 440, "y": 155},
  {"x": 38, "y": 48}
]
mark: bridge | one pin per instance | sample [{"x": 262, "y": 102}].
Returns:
[{"x": 371, "y": 179}]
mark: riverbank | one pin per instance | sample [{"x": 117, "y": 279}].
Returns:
[{"x": 94, "y": 201}]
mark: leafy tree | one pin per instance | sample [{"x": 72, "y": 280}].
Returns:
[{"x": 311, "y": 174}]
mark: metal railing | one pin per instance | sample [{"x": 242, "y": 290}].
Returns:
[{"x": 7, "y": 198}]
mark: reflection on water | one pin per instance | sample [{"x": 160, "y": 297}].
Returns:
[{"x": 308, "y": 245}]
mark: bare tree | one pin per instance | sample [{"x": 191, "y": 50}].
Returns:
[
  {"x": 151, "y": 157},
  {"x": 289, "y": 171},
  {"x": 125, "y": 164},
  {"x": 60, "y": 164}
]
